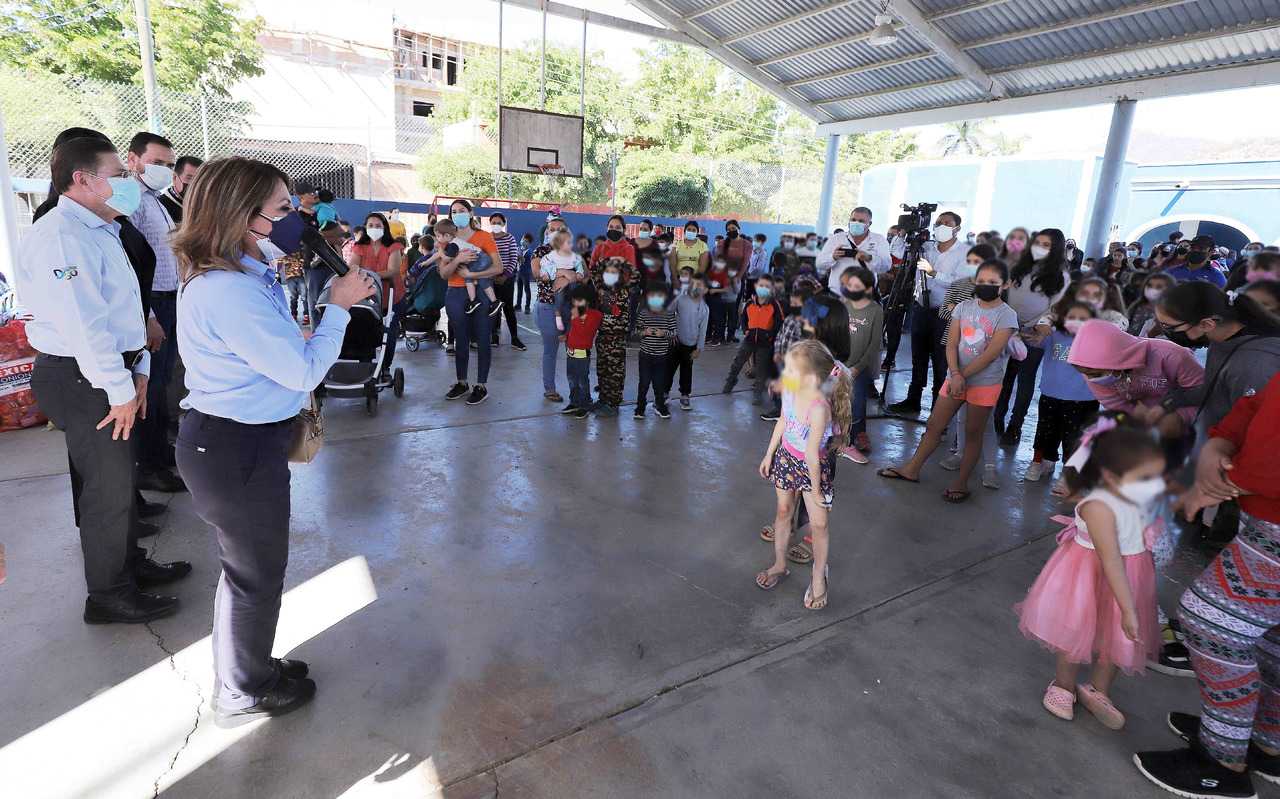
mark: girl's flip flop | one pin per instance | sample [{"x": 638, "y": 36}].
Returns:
[
  {"x": 956, "y": 497},
  {"x": 777, "y": 578},
  {"x": 893, "y": 474}
]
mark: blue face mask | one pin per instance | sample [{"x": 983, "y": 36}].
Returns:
[
  {"x": 656, "y": 303},
  {"x": 126, "y": 194},
  {"x": 763, "y": 292},
  {"x": 1248, "y": 253},
  {"x": 1104, "y": 380},
  {"x": 461, "y": 219},
  {"x": 690, "y": 235},
  {"x": 857, "y": 228},
  {"x": 644, "y": 234}
]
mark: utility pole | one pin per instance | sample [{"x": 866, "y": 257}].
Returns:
[{"x": 146, "y": 45}]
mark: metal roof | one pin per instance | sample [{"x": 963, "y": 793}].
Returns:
[{"x": 964, "y": 59}]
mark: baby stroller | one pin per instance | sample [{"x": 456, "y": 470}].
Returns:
[
  {"x": 358, "y": 371},
  {"x": 422, "y": 316}
]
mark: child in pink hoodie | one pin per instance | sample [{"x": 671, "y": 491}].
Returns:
[{"x": 1132, "y": 374}]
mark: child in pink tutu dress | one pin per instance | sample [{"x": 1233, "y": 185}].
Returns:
[{"x": 1095, "y": 600}]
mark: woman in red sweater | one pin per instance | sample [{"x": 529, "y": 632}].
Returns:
[
  {"x": 1231, "y": 615},
  {"x": 616, "y": 243}
]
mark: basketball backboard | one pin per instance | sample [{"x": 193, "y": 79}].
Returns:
[{"x": 528, "y": 138}]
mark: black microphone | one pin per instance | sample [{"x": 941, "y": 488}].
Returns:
[{"x": 312, "y": 238}]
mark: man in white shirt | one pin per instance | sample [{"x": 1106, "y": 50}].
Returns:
[
  {"x": 151, "y": 160},
  {"x": 91, "y": 371},
  {"x": 854, "y": 247},
  {"x": 942, "y": 262}
]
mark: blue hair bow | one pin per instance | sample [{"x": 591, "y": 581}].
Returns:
[{"x": 814, "y": 311}]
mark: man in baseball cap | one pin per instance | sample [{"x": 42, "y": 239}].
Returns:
[{"x": 1200, "y": 264}]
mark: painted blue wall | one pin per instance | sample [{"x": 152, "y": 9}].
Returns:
[
  {"x": 520, "y": 221},
  {"x": 1059, "y": 192}
]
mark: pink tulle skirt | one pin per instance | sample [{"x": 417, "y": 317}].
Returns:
[{"x": 1070, "y": 609}]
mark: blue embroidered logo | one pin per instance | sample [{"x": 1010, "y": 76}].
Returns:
[{"x": 65, "y": 274}]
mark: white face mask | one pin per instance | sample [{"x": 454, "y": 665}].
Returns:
[
  {"x": 1039, "y": 253},
  {"x": 374, "y": 233},
  {"x": 395, "y": 216},
  {"x": 270, "y": 252},
  {"x": 1144, "y": 492},
  {"x": 944, "y": 233},
  {"x": 499, "y": 228},
  {"x": 156, "y": 177}
]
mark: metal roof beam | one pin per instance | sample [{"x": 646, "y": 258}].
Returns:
[
  {"x": 700, "y": 37},
  {"x": 890, "y": 90},
  {"x": 818, "y": 48},
  {"x": 603, "y": 20},
  {"x": 713, "y": 7},
  {"x": 946, "y": 47},
  {"x": 1141, "y": 47},
  {"x": 813, "y": 12},
  {"x": 844, "y": 73},
  {"x": 953, "y": 12},
  {"x": 1078, "y": 22},
  {"x": 1192, "y": 81}
]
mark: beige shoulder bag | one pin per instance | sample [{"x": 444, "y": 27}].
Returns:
[{"x": 308, "y": 434}]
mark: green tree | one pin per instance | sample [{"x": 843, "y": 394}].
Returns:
[
  {"x": 521, "y": 87},
  {"x": 657, "y": 182},
  {"x": 198, "y": 43},
  {"x": 972, "y": 137}
]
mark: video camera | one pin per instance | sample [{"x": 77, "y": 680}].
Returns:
[{"x": 916, "y": 219}]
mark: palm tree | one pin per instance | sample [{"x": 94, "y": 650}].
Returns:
[{"x": 969, "y": 137}]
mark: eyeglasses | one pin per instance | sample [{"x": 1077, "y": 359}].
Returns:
[{"x": 1178, "y": 328}]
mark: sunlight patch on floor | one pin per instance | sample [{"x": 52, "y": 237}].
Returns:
[{"x": 137, "y": 737}]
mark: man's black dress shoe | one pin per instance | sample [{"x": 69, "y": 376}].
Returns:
[
  {"x": 161, "y": 480},
  {"x": 147, "y": 529},
  {"x": 289, "y": 669},
  {"x": 287, "y": 696},
  {"x": 148, "y": 573},
  {"x": 148, "y": 509},
  {"x": 133, "y": 609}
]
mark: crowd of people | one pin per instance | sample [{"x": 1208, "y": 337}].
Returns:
[{"x": 1155, "y": 377}]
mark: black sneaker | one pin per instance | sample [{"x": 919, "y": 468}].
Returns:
[
  {"x": 570, "y": 408},
  {"x": 1193, "y": 773},
  {"x": 684, "y": 403},
  {"x": 1174, "y": 661},
  {"x": 495, "y": 308},
  {"x": 771, "y": 416},
  {"x": 581, "y": 413},
  {"x": 1184, "y": 725},
  {"x": 906, "y": 406},
  {"x": 663, "y": 411},
  {"x": 639, "y": 414},
  {"x": 729, "y": 383},
  {"x": 473, "y": 306},
  {"x": 518, "y": 344},
  {"x": 478, "y": 395},
  {"x": 458, "y": 391},
  {"x": 1011, "y": 437},
  {"x": 1264, "y": 765}
]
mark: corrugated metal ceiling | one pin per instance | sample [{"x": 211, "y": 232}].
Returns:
[{"x": 816, "y": 51}]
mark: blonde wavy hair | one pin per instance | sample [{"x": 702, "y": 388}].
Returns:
[
  {"x": 216, "y": 210},
  {"x": 813, "y": 356}
]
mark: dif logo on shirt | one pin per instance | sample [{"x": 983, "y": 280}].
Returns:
[{"x": 65, "y": 274}]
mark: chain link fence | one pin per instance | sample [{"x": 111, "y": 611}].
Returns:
[{"x": 641, "y": 181}]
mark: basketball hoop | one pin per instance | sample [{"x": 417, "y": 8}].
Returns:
[{"x": 554, "y": 170}]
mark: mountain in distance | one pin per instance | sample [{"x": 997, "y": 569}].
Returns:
[{"x": 1150, "y": 147}]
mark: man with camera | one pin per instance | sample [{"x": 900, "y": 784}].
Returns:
[
  {"x": 942, "y": 261},
  {"x": 857, "y": 246}
]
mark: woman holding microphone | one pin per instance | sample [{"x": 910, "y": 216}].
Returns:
[{"x": 248, "y": 373}]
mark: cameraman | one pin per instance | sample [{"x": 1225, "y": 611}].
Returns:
[
  {"x": 941, "y": 262},
  {"x": 857, "y": 246}
]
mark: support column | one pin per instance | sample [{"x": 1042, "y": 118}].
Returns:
[
  {"x": 1104, "y": 200},
  {"x": 8, "y": 212},
  {"x": 823, "y": 225},
  {"x": 145, "y": 45}
]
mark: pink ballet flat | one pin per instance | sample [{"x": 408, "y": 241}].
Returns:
[
  {"x": 1100, "y": 706},
  {"x": 1060, "y": 702}
]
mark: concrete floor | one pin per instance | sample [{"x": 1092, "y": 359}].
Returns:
[{"x": 564, "y": 609}]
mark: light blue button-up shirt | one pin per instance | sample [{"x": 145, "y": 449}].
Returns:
[
  {"x": 75, "y": 279},
  {"x": 245, "y": 357},
  {"x": 155, "y": 223}
]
